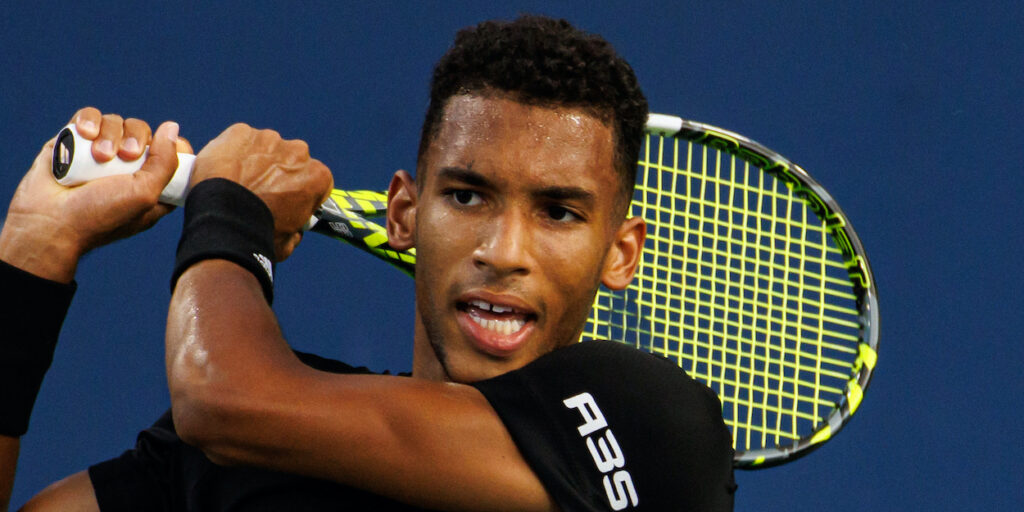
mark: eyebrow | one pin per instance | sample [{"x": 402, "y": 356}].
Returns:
[
  {"x": 551, "y": 193},
  {"x": 465, "y": 175},
  {"x": 569, "y": 193}
]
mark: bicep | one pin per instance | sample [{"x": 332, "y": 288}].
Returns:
[{"x": 72, "y": 494}]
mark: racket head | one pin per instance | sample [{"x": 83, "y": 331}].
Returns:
[{"x": 754, "y": 282}]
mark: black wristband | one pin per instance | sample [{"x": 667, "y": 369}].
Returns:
[
  {"x": 32, "y": 310},
  {"x": 224, "y": 220}
]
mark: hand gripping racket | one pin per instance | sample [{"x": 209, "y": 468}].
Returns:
[
  {"x": 752, "y": 280},
  {"x": 344, "y": 216}
]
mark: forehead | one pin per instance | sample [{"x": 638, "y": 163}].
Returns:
[{"x": 501, "y": 136}]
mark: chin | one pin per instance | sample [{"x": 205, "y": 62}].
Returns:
[{"x": 478, "y": 367}]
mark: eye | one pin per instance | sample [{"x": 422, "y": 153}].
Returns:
[
  {"x": 465, "y": 197},
  {"x": 561, "y": 214}
]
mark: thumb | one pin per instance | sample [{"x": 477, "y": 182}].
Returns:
[{"x": 161, "y": 162}]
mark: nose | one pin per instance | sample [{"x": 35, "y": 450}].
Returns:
[{"x": 504, "y": 247}]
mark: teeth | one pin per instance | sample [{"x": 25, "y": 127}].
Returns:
[
  {"x": 487, "y": 306},
  {"x": 500, "y": 326}
]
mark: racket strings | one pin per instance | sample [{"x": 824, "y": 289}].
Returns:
[{"x": 743, "y": 286}]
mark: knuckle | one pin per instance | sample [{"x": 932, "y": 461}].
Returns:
[
  {"x": 238, "y": 128},
  {"x": 113, "y": 118},
  {"x": 269, "y": 136},
  {"x": 135, "y": 124},
  {"x": 90, "y": 112},
  {"x": 299, "y": 146},
  {"x": 325, "y": 174}
]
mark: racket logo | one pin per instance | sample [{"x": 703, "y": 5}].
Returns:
[
  {"x": 63, "y": 153},
  {"x": 341, "y": 227},
  {"x": 606, "y": 452}
]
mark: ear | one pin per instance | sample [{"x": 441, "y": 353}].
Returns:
[
  {"x": 401, "y": 217},
  {"x": 624, "y": 254}
]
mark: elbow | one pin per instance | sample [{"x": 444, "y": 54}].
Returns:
[{"x": 206, "y": 415}]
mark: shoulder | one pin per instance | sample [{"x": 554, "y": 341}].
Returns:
[
  {"x": 625, "y": 377},
  {"x": 627, "y": 426}
]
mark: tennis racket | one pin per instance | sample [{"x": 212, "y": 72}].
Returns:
[{"x": 752, "y": 280}]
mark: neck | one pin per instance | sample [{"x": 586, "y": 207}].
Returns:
[{"x": 425, "y": 364}]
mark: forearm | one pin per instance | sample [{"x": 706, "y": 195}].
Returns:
[
  {"x": 239, "y": 393},
  {"x": 37, "y": 248},
  {"x": 222, "y": 339},
  {"x": 9, "y": 447}
]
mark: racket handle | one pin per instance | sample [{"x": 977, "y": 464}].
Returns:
[{"x": 73, "y": 164}]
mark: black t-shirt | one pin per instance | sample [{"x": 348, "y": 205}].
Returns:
[
  {"x": 604, "y": 426},
  {"x": 608, "y": 427}
]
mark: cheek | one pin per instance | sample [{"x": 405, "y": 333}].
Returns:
[
  {"x": 438, "y": 240},
  {"x": 573, "y": 266},
  {"x": 442, "y": 247}
]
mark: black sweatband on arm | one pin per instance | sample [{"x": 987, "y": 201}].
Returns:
[
  {"x": 224, "y": 220},
  {"x": 32, "y": 311}
]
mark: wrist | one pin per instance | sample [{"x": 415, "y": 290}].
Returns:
[
  {"x": 224, "y": 220},
  {"x": 40, "y": 249}
]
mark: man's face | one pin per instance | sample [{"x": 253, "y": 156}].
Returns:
[{"x": 513, "y": 224}]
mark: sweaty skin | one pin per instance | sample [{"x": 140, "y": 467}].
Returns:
[{"x": 515, "y": 227}]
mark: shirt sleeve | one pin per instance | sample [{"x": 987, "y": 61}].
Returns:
[
  {"x": 163, "y": 473},
  {"x": 608, "y": 427},
  {"x": 145, "y": 477}
]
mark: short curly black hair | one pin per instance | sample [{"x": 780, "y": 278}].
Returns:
[{"x": 542, "y": 61}]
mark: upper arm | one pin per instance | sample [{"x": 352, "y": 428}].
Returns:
[
  {"x": 430, "y": 444},
  {"x": 72, "y": 494}
]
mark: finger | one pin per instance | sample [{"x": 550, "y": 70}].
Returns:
[
  {"x": 268, "y": 139},
  {"x": 136, "y": 136},
  {"x": 325, "y": 180},
  {"x": 297, "y": 150},
  {"x": 41, "y": 166},
  {"x": 154, "y": 214},
  {"x": 87, "y": 122},
  {"x": 162, "y": 160},
  {"x": 184, "y": 146},
  {"x": 104, "y": 147},
  {"x": 286, "y": 245}
]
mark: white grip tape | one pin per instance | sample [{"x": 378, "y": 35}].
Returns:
[{"x": 73, "y": 165}]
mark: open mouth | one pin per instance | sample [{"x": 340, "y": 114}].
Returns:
[
  {"x": 500, "y": 319},
  {"x": 497, "y": 329}
]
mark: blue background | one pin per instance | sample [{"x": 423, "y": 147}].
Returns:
[{"x": 908, "y": 112}]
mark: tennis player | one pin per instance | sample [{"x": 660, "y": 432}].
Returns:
[{"x": 517, "y": 213}]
